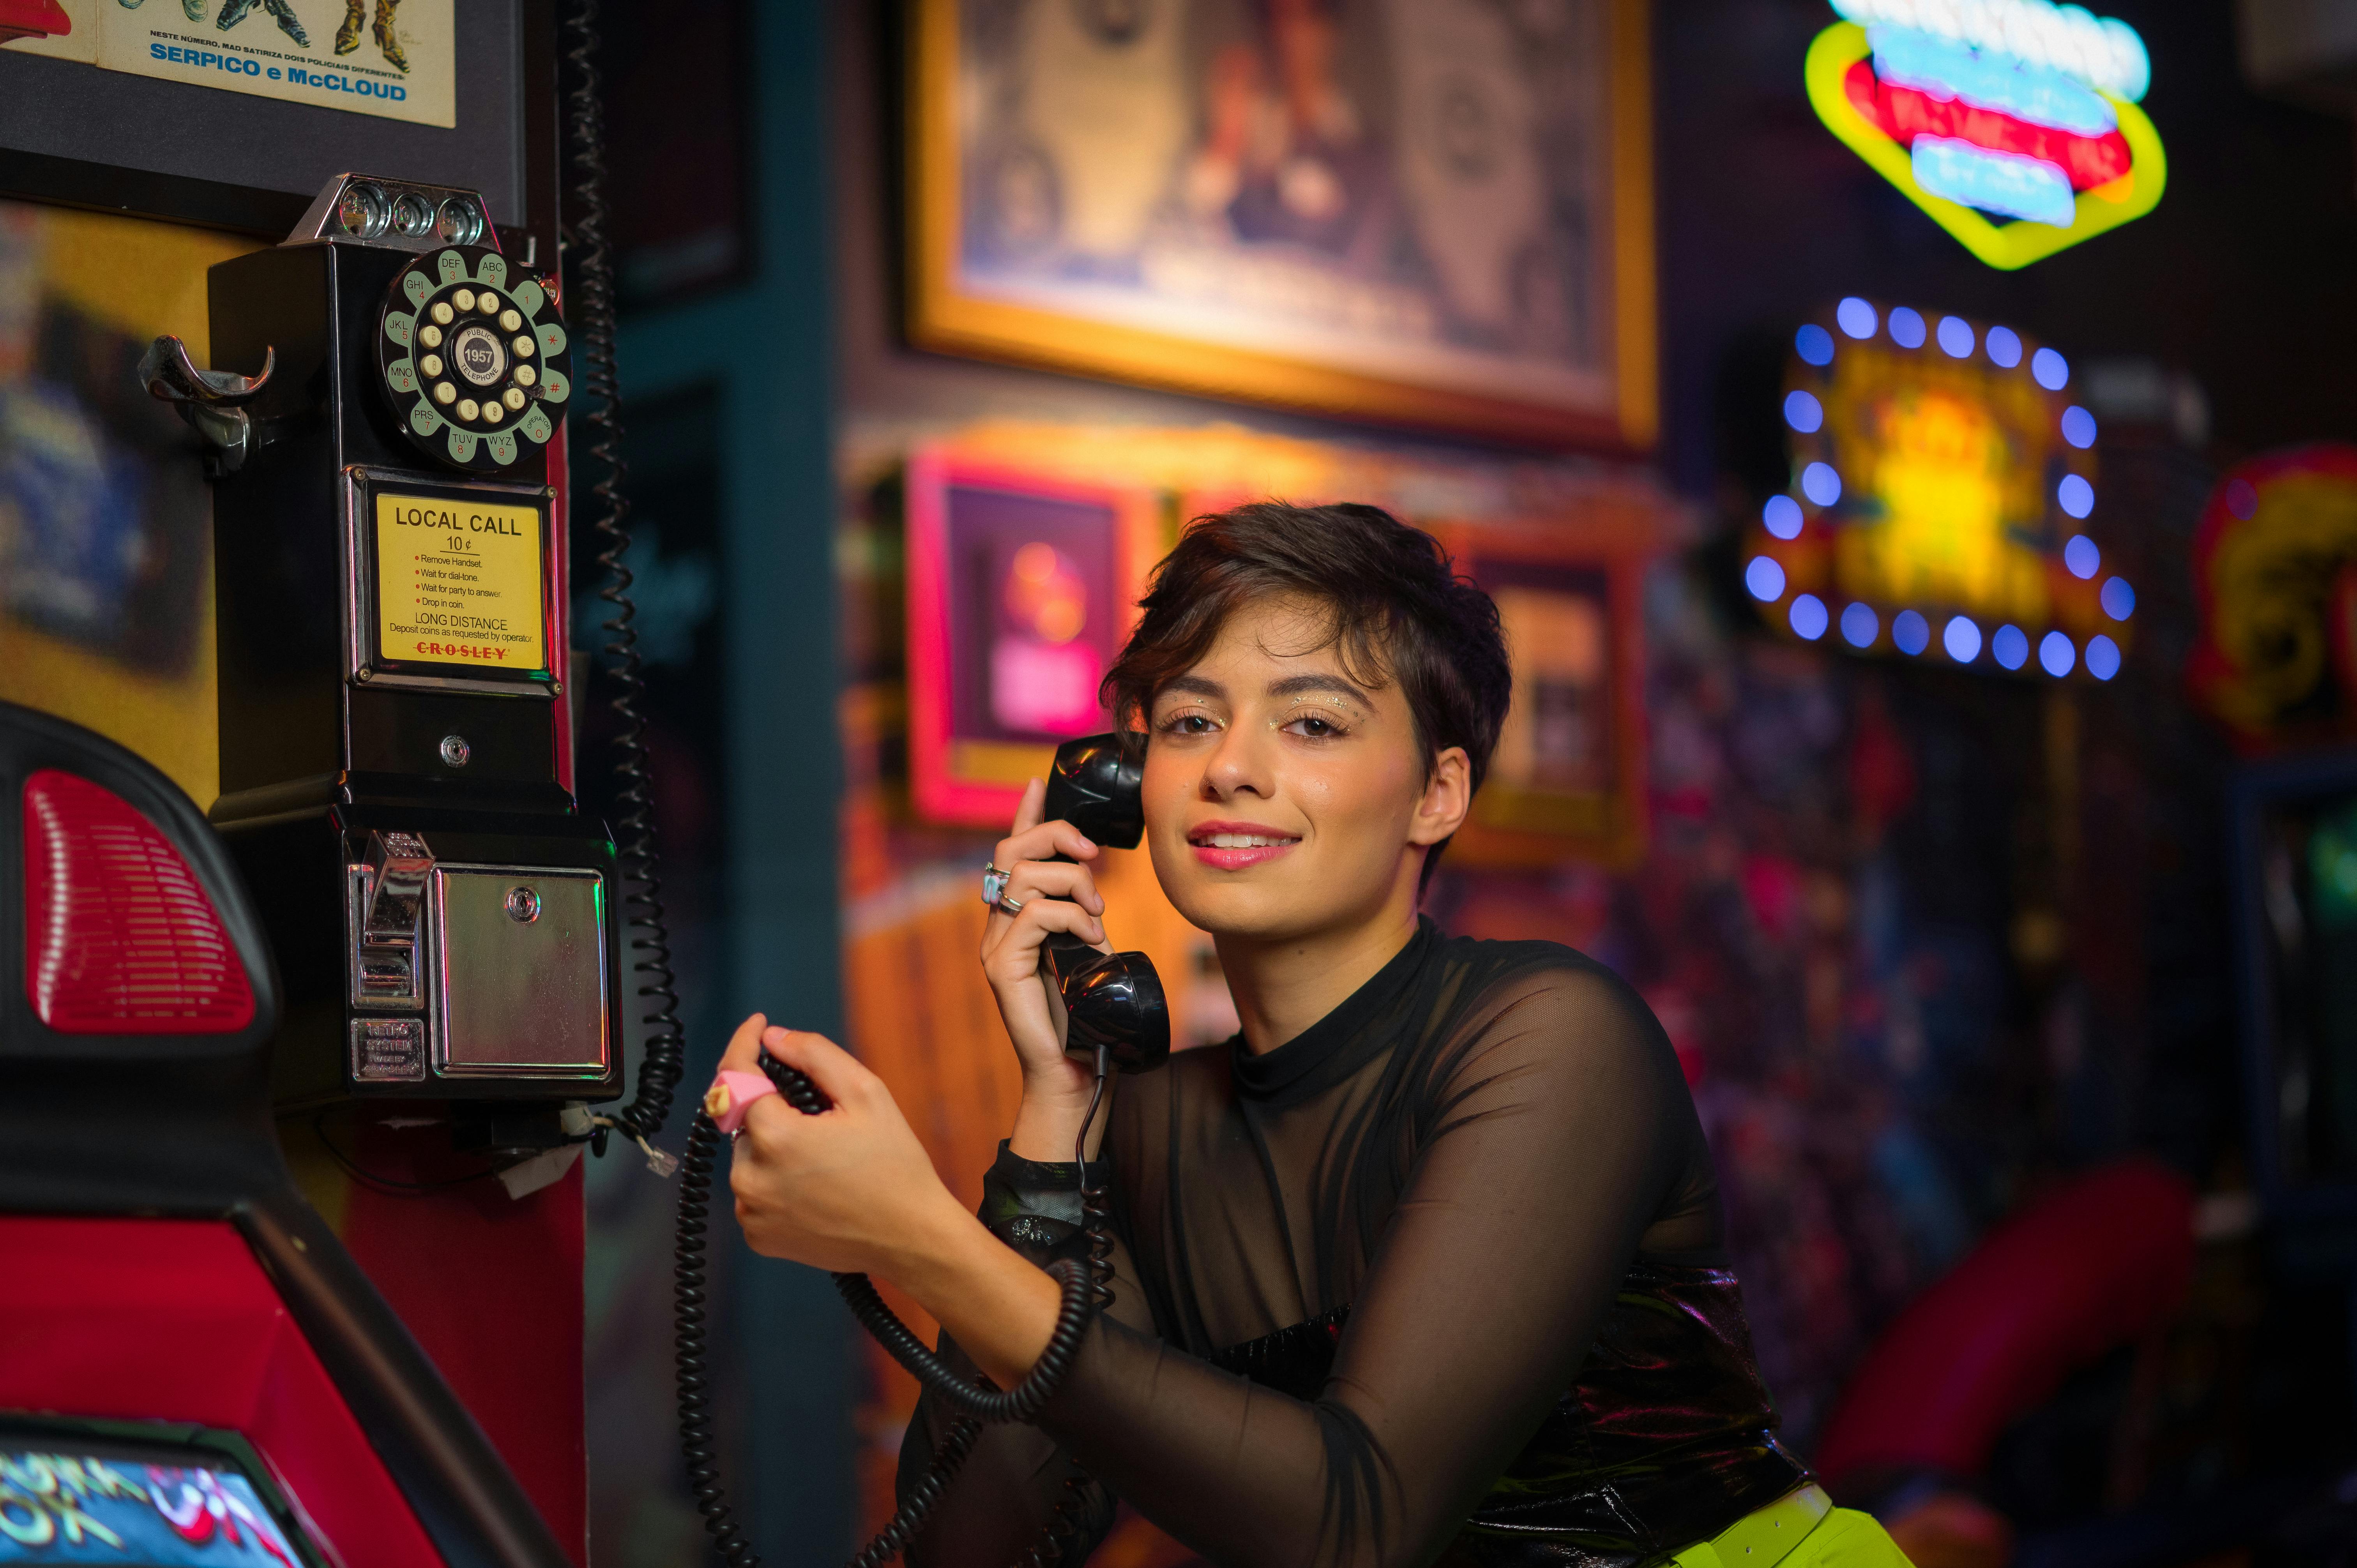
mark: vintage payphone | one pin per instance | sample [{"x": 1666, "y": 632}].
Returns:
[{"x": 386, "y": 390}]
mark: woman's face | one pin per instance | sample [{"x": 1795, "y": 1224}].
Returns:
[{"x": 1282, "y": 798}]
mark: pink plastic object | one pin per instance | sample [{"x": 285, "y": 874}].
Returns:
[
  {"x": 2095, "y": 1264},
  {"x": 732, "y": 1094}
]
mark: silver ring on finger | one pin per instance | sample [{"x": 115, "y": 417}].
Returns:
[
  {"x": 994, "y": 883},
  {"x": 1013, "y": 905}
]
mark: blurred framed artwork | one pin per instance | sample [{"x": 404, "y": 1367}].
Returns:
[
  {"x": 1567, "y": 778},
  {"x": 1427, "y": 212},
  {"x": 1021, "y": 587}
]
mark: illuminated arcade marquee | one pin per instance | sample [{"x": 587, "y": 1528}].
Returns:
[
  {"x": 1941, "y": 480},
  {"x": 2012, "y": 123}
]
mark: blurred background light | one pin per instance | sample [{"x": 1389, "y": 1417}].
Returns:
[
  {"x": 1809, "y": 616},
  {"x": 2056, "y": 654}
]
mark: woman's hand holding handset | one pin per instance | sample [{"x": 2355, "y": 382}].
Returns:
[{"x": 1053, "y": 896}]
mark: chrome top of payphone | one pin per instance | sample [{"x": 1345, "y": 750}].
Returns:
[{"x": 396, "y": 215}]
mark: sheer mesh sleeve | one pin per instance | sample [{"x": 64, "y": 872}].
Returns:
[
  {"x": 1016, "y": 1477},
  {"x": 1551, "y": 1128}
]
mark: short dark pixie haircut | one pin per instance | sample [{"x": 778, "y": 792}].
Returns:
[{"x": 1396, "y": 609}]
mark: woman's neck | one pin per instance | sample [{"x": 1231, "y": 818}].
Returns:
[{"x": 1282, "y": 987}]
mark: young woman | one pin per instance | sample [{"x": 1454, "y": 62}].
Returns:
[{"x": 1427, "y": 1265}]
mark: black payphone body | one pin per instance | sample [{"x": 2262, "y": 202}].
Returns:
[{"x": 392, "y": 645}]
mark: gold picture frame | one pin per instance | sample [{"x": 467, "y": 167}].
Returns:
[{"x": 1596, "y": 299}]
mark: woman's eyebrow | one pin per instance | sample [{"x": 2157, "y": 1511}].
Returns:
[
  {"x": 1194, "y": 686},
  {"x": 1295, "y": 685}
]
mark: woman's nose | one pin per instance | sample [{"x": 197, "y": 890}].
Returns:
[{"x": 1239, "y": 764}]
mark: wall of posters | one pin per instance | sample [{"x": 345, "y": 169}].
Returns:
[
  {"x": 396, "y": 61},
  {"x": 1435, "y": 212}
]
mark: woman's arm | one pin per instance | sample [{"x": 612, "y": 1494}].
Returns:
[
  {"x": 1550, "y": 1147},
  {"x": 999, "y": 1505}
]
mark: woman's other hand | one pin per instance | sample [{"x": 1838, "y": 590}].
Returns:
[
  {"x": 1053, "y": 896},
  {"x": 850, "y": 1190}
]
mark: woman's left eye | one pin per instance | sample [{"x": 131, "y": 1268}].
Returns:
[{"x": 1314, "y": 726}]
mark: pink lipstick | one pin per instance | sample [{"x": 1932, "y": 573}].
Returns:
[{"x": 1232, "y": 846}]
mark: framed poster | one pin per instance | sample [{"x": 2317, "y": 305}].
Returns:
[
  {"x": 1021, "y": 587},
  {"x": 1428, "y": 212},
  {"x": 1567, "y": 778}
]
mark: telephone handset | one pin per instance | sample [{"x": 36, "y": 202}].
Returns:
[{"x": 1112, "y": 1001}]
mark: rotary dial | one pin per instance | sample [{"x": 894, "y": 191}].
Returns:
[{"x": 476, "y": 363}]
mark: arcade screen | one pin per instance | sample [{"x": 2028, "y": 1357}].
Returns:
[{"x": 133, "y": 1497}]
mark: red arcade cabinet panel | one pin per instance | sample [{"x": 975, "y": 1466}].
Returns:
[{"x": 173, "y": 1321}]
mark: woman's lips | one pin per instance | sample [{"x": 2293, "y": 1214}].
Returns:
[{"x": 1232, "y": 846}]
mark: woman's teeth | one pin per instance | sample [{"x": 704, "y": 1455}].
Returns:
[{"x": 1241, "y": 841}]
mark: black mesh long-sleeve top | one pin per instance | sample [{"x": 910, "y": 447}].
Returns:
[{"x": 1438, "y": 1281}]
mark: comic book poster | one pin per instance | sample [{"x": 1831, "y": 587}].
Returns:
[{"x": 391, "y": 59}]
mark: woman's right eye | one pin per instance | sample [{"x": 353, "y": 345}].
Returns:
[{"x": 1187, "y": 723}]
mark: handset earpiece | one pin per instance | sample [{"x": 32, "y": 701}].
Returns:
[{"x": 1113, "y": 1002}]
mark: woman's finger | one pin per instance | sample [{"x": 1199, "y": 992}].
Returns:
[
  {"x": 836, "y": 1072},
  {"x": 1016, "y": 954},
  {"x": 1034, "y": 807},
  {"x": 1030, "y": 879},
  {"x": 744, "y": 1046},
  {"x": 1044, "y": 841}
]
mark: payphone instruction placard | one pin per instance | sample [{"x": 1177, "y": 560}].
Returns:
[{"x": 459, "y": 582}]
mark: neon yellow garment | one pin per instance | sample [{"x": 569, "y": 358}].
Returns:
[{"x": 1803, "y": 1530}]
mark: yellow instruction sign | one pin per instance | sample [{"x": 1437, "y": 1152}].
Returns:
[{"x": 459, "y": 582}]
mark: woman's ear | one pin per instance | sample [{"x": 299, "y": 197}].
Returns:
[{"x": 1448, "y": 797}]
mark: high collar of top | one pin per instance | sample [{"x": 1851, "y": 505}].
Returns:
[{"x": 1337, "y": 1045}]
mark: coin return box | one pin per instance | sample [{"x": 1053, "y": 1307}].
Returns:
[{"x": 483, "y": 971}]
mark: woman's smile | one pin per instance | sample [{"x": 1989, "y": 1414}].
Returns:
[{"x": 1232, "y": 846}]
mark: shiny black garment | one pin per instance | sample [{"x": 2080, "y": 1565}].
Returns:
[{"x": 1437, "y": 1281}]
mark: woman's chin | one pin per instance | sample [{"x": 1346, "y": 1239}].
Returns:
[{"x": 1230, "y": 907}]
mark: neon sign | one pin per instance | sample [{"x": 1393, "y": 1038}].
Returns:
[
  {"x": 2012, "y": 123},
  {"x": 1942, "y": 477}
]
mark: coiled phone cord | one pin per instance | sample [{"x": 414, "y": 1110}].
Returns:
[
  {"x": 1084, "y": 1292},
  {"x": 591, "y": 260}
]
